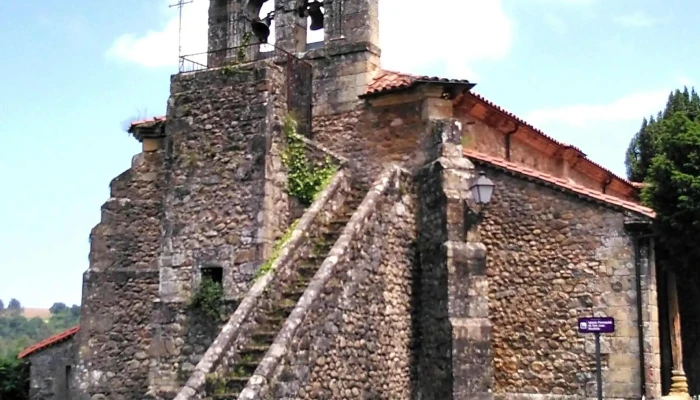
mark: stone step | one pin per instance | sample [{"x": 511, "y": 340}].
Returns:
[
  {"x": 294, "y": 295},
  {"x": 282, "y": 311},
  {"x": 253, "y": 353},
  {"x": 236, "y": 384},
  {"x": 263, "y": 337},
  {"x": 244, "y": 369},
  {"x": 232, "y": 395}
]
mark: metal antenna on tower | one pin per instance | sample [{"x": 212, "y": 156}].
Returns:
[{"x": 180, "y": 4}]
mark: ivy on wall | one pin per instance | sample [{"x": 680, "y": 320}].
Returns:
[{"x": 304, "y": 179}]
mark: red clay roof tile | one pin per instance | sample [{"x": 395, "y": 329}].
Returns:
[
  {"x": 386, "y": 80},
  {"x": 48, "y": 342},
  {"x": 561, "y": 183}
]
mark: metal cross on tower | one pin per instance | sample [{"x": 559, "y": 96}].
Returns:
[{"x": 180, "y": 4}]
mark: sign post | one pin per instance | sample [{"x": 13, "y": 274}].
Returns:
[{"x": 597, "y": 325}]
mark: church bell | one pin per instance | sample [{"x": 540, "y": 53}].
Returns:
[
  {"x": 261, "y": 27},
  {"x": 316, "y": 15}
]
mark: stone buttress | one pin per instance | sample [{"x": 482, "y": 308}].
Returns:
[{"x": 454, "y": 352}]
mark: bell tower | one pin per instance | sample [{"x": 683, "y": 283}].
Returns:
[{"x": 344, "y": 61}]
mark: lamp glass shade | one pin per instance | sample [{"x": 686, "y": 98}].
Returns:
[{"x": 482, "y": 189}]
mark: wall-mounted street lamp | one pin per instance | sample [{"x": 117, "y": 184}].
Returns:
[{"x": 481, "y": 191}]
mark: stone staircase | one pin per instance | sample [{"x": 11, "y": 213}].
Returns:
[{"x": 269, "y": 323}]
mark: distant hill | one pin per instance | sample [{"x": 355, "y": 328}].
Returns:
[{"x": 42, "y": 313}]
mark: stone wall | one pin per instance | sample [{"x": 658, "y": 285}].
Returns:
[
  {"x": 52, "y": 372},
  {"x": 551, "y": 259},
  {"x": 222, "y": 355},
  {"x": 226, "y": 202},
  {"x": 128, "y": 235},
  {"x": 355, "y": 341},
  {"x": 115, "y": 333},
  {"x": 373, "y": 138},
  {"x": 121, "y": 283},
  {"x": 223, "y": 132}
]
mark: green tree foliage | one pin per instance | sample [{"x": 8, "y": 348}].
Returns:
[
  {"x": 18, "y": 333},
  {"x": 644, "y": 145},
  {"x": 674, "y": 185},
  {"x": 58, "y": 308},
  {"x": 2, "y": 306},
  {"x": 14, "y": 305},
  {"x": 14, "y": 379}
]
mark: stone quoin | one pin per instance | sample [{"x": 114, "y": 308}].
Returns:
[{"x": 383, "y": 286}]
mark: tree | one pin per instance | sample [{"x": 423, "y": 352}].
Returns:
[
  {"x": 14, "y": 305},
  {"x": 57, "y": 308},
  {"x": 2, "y": 305},
  {"x": 674, "y": 185},
  {"x": 644, "y": 145}
]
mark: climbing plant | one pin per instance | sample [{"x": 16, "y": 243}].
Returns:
[
  {"x": 208, "y": 298},
  {"x": 304, "y": 179},
  {"x": 232, "y": 68},
  {"x": 267, "y": 265}
]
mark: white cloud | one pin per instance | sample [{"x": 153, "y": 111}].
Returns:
[
  {"x": 159, "y": 48},
  {"x": 414, "y": 37},
  {"x": 631, "y": 107},
  {"x": 635, "y": 20}
]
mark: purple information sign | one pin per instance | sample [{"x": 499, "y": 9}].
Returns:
[{"x": 596, "y": 325}]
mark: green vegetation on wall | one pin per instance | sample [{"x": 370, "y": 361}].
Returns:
[
  {"x": 304, "y": 179},
  {"x": 267, "y": 265},
  {"x": 209, "y": 299}
]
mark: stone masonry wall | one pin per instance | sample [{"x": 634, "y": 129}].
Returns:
[
  {"x": 551, "y": 259},
  {"x": 221, "y": 124},
  {"x": 116, "y": 313},
  {"x": 357, "y": 342},
  {"x": 121, "y": 282},
  {"x": 372, "y": 138},
  {"x": 226, "y": 202},
  {"x": 51, "y": 372}
]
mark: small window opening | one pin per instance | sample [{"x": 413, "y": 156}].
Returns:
[
  {"x": 215, "y": 273},
  {"x": 67, "y": 379}
]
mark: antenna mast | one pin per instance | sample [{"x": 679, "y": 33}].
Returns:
[{"x": 180, "y": 4}]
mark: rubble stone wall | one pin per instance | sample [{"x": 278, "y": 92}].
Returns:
[
  {"x": 121, "y": 283},
  {"x": 116, "y": 314},
  {"x": 373, "y": 138},
  {"x": 553, "y": 258},
  {"x": 225, "y": 200},
  {"x": 52, "y": 371}
]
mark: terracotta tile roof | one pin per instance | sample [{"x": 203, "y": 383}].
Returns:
[
  {"x": 560, "y": 183},
  {"x": 48, "y": 342},
  {"x": 385, "y": 81},
  {"x": 564, "y": 145}
]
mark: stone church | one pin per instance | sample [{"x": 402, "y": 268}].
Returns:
[{"x": 402, "y": 274}]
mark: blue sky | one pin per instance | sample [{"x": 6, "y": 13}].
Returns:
[{"x": 584, "y": 71}]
